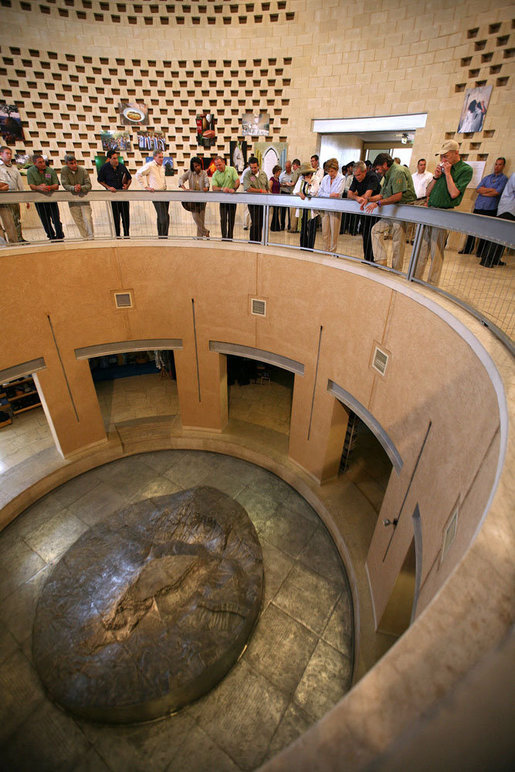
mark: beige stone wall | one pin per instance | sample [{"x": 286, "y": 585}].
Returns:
[
  {"x": 436, "y": 402},
  {"x": 69, "y": 63}
]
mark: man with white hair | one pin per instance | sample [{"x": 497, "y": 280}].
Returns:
[
  {"x": 10, "y": 174},
  {"x": 152, "y": 177}
]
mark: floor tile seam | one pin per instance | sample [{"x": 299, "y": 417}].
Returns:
[
  {"x": 60, "y": 554},
  {"x": 18, "y": 587},
  {"x": 283, "y": 714},
  {"x": 312, "y": 630},
  {"x": 288, "y": 572},
  {"x": 213, "y": 739},
  {"x": 298, "y": 621},
  {"x": 286, "y": 692},
  {"x": 319, "y": 573},
  {"x": 27, "y": 718},
  {"x": 343, "y": 653},
  {"x": 318, "y": 576}
]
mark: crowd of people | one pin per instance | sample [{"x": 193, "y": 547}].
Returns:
[{"x": 371, "y": 185}]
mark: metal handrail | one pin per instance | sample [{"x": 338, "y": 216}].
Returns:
[{"x": 490, "y": 228}]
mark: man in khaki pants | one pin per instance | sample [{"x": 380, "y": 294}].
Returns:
[
  {"x": 397, "y": 189},
  {"x": 75, "y": 179},
  {"x": 6, "y": 218}
]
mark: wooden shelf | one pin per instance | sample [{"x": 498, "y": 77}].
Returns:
[
  {"x": 24, "y": 409},
  {"x": 8, "y": 404},
  {"x": 16, "y": 383},
  {"x": 21, "y": 396}
]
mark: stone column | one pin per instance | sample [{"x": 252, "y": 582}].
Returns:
[
  {"x": 317, "y": 430},
  {"x": 202, "y": 388},
  {"x": 70, "y": 403}
]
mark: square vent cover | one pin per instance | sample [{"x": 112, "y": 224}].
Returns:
[
  {"x": 257, "y": 307},
  {"x": 123, "y": 299},
  {"x": 380, "y": 360}
]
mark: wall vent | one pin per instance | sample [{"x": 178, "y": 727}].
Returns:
[
  {"x": 449, "y": 534},
  {"x": 380, "y": 360},
  {"x": 123, "y": 299},
  {"x": 257, "y": 307}
]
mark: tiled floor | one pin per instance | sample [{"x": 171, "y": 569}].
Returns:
[
  {"x": 142, "y": 396},
  {"x": 297, "y": 665}
]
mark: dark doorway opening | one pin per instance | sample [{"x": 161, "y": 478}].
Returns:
[
  {"x": 259, "y": 393},
  {"x": 135, "y": 384},
  {"x": 365, "y": 461}
]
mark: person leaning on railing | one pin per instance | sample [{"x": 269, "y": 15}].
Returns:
[
  {"x": 255, "y": 182},
  {"x": 445, "y": 191},
  {"x": 397, "y": 189},
  {"x": 9, "y": 173},
  {"x": 6, "y": 218},
  {"x": 75, "y": 179},
  {"x": 152, "y": 177},
  {"x": 225, "y": 180},
  {"x": 197, "y": 179},
  {"x": 492, "y": 253},
  {"x": 306, "y": 187},
  {"x": 114, "y": 176},
  {"x": 331, "y": 187},
  {"x": 43, "y": 179},
  {"x": 365, "y": 185}
]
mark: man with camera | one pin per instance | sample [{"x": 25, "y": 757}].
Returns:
[{"x": 445, "y": 191}]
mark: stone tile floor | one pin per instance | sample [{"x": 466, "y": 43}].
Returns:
[{"x": 296, "y": 667}]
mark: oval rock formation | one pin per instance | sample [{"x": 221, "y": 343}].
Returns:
[{"x": 150, "y": 608}]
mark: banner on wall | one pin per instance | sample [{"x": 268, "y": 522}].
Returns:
[
  {"x": 115, "y": 140},
  {"x": 167, "y": 164},
  {"x": 474, "y": 109},
  {"x": 151, "y": 140},
  {"x": 11, "y": 129},
  {"x": 206, "y": 135},
  {"x": 133, "y": 113},
  {"x": 255, "y": 125}
]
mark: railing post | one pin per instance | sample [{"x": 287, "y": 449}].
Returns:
[
  {"x": 110, "y": 219},
  {"x": 415, "y": 252},
  {"x": 264, "y": 235}
]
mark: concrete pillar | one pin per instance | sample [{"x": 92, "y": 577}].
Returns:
[
  {"x": 317, "y": 430},
  {"x": 70, "y": 403},
  {"x": 202, "y": 388}
]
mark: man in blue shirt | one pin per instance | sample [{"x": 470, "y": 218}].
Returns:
[{"x": 489, "y": 192}]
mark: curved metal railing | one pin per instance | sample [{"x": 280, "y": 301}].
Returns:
[{"x": 487, "y": 294}]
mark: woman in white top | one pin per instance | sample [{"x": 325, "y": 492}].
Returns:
[
  {"x": 152, "y": 178},
  {"x": 307, "y": 187},
  {"x": 331, "y": 187},
  {"x": 197, "y": 180}
]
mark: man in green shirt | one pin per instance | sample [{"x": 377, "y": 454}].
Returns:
[
  {"x": 225, "y": 180},
  {"x": 445, "y": 191},
  {"x": 255, "y": 182},
  {"x": 75, "y": 179},
  {"x": 43, "y": 179},
  {"x": 397, "y": 188}
]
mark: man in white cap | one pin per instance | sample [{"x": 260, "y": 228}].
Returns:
[{"x": 445, "y": 191}]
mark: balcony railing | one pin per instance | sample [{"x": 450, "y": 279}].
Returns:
[{"x": 478, "y": 263}]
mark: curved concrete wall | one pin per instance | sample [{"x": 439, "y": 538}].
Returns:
[{"x": 440, "y": 401}]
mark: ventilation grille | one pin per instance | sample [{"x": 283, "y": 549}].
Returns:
[
  {"x": 449, "y": 534},
  {"x": 380, "y": 361},
  {"x": 257, "y": 307},
  {"x": 123, "y": 299}
]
